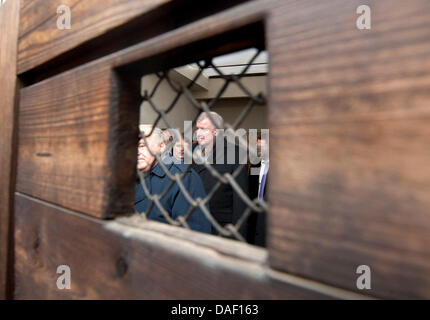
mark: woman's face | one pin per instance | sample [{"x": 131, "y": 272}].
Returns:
[{"x": 179, "y": 149}]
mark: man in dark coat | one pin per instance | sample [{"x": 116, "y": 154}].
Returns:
[
  {"x": 225, "y": 205},
  {"x": 258, "y": 181},
  {"x": 157, "y": 181}
]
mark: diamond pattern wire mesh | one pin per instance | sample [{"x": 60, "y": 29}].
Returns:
[{"x": 257, "y": 205}]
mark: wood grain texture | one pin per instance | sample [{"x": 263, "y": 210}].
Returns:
[
  {"x": 40, "y": 40},
  {"x": 230, "y": 30},
  {"x": 349, "y": 119},
  {"x": 9, "y": 21},
  {"x": 109, "y": 260},
  {"x": 179, "y": 13},
  {"x": 77, "y": 144},
  {"x": 76, "y": 48},
  {"x": 349, "y": 122}
]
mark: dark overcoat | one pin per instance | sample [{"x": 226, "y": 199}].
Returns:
[
  {"x": 174, "y": 202},
  {"x": 226, "y": 204},
  {"x": 257, "y": 220}
]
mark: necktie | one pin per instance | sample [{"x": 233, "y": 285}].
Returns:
[{"x": 263, "y": 181}]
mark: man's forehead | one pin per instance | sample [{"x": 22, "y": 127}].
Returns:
[
  {"x": 147, "y": 138},
  {"x": 204, "y": 123}
]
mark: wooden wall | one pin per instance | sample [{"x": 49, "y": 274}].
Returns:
[
  {"x": 350, "y": 121},
  {"x": 349, "y": 135},
  {"x": 117, "y": 260},
  {"x": 9, "y": 21}
]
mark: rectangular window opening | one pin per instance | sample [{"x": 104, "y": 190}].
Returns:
[{"x": 203, "y": 149}]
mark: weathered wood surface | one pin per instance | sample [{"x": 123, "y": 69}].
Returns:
[
  {"x": 46, "y": 51},
  {"x": 40, "y": 40},
  {"x": 350, "y": 135},
  {"x": 109, "y": 260},
  {"x": 77, "y": 147},
  {"x": 9, "y": 18},
  {"x": 234, "y": 29}
]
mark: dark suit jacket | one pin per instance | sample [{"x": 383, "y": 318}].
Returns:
[
  {"x": 257, "y": 221},
  {"x": 226, "y": 205}
]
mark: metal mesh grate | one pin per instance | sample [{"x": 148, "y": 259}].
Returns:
[{"x": 256, "y": 205}]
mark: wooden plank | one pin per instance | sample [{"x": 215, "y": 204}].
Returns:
[
  {"x": 111, "y": 260},
  {"x": 77, "y": 145},
  {"x": 126, "y": 43},
  {"x": 349, "y": 119},
  {"x": 96, "y": 33},
  {"x": 40, "y": 40},
  {"x": 221, "y": 33},
  {"x": 9, "y": 21}
]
